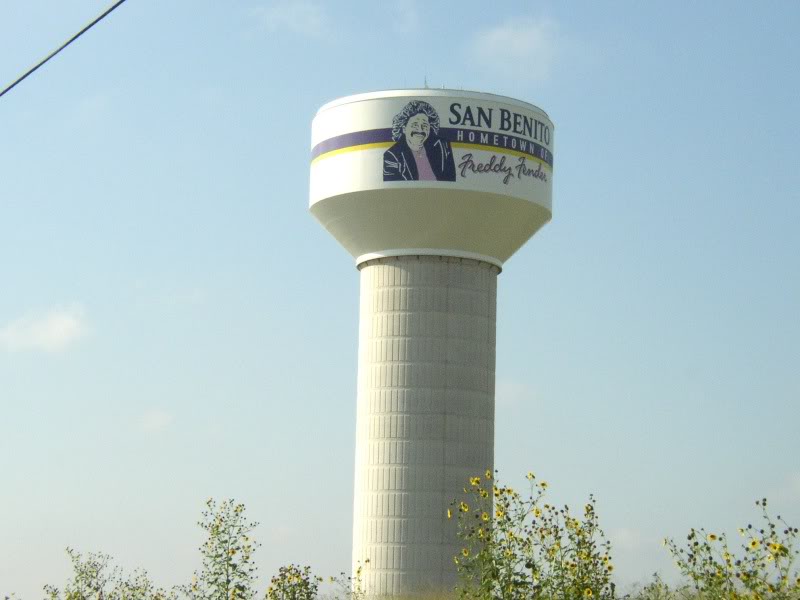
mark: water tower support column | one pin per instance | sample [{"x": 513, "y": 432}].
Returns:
[{"x": 425, "y": 413}]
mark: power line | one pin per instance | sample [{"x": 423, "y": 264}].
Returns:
[{"x": 64, "y": 45}]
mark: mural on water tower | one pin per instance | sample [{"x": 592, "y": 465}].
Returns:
[{"x": 419, "y": 154}]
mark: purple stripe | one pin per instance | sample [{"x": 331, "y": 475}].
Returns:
[
  {"x": 452, "y": 134},
  {"x": 357, "y": 138}
]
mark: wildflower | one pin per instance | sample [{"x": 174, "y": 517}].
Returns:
[
  {"x": 483, "y": 493},
  {"x": 474, "y": 480},
  {"x": 609, "y": 567},
  {"x": 465, "y": 552},
  {"x": 499, "y": 513},
  {"x": 488, "y": 474},
  {"x": 455, "y": 559},
  {"x": 464, "y": 507},
  {"x": 754, "y": 544},
  {"x": 449, "y": 514},
  {"x": 770, "y": 558},
  {"x": 711, "y": 537},
  {"x": 587, "y": 593},
  {"x": 537, "y": 512},
  {"x": 776, "y": 547},
  {"x": 543, "y": 485},
  {"x": 485, "y": 516},
  {"x": 531, "y": 476}
]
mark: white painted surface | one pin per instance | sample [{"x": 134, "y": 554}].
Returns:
[
  {"x": 425, "y": 414},
  {"x": 481, "y": 212}
]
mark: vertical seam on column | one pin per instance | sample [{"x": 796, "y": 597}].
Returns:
[{"x": 442, "y": 481}]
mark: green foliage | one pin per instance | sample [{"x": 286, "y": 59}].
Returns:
[
  {"x": 94, "y": 577},
  {"x": 350, "y": 588},
  {"x": 514, "y": 548},
  {"x": 293, "y": 583},
  {"x": 522, "y": 547},
  {"x": 763, "y": 568},
  {"x": 228, "y": 571}
]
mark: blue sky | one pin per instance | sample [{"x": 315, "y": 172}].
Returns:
[{"x": 174, "y": 324}]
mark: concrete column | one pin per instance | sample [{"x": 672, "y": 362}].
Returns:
[{"x": 425, "y": 415}]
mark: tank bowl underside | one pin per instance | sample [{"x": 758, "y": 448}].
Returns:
[{"x": 454, "y": 222}]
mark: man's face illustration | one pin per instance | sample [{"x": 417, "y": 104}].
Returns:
[{"x": 417, "y": 130}]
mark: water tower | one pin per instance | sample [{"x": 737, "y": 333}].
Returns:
[{"x": 431, "y": 191}]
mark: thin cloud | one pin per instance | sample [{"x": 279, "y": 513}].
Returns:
[
  {"x": 789, "y": 491},
  {"x": 155, "y": 420},
  {"x": 512, "y": 393},
  {"x": 405, "y": 17},
  {"x": 524, "y": 48},
  {"x": 54, "y": 331},
  {"x": 302, "y": 17},
  {"x": 627, "y": 539}
]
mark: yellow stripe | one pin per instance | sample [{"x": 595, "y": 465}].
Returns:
[
  {"x": 467, "y": 146},
  {"x": 462, "y": 145},
  {"x": 353, "y": 149}
]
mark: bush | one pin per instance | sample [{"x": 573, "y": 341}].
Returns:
[
  {"x": 95, "y": 577},
  {"x": 228, "y": 571},
  {"x": 293, "y": 583},
  {"x": 762, "y": 569},
  {"x": 521, "y": 547}
]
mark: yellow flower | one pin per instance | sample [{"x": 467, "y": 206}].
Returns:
[
  {"x": 455, "y": 559},
  {"x": 464, "y": 507},
  {"x": 499, "y": 513},
  {"x": 711, "y": 537},
  {"x": 449, "y": 514},
  {"x": 480, "y": 532},
  {"x": 770, "y": 558},
  {"x": 488, "y": 474},
  {"x": 587, "y": 593},
  {"x": 543, "y": 485},
  {"x": 531, "y": 475},
  {"x": 465, "y": 551},
  {"x": 537, "y": 512},
  {"x": 776, "y": 547},
  {"x": 485, "y": 516},
  {"x": 474, "y": 480},
  {"x": 754, "y": 544},
  {"x": 609, "y": 567},
  {"x": 483, "y": 493}
]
